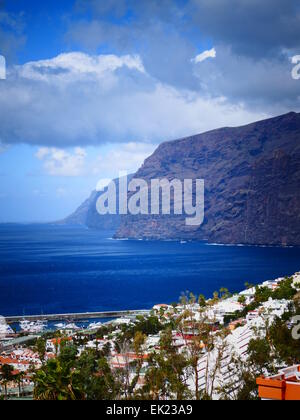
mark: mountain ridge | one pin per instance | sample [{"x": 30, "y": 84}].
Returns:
[
  {"x": 252, "y": 178},
  {"x": 252, "y": 194}
]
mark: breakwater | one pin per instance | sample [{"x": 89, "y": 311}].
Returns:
[{"x": 76, "y": 316}]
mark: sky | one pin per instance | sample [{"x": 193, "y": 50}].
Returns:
[{"x": 93, "y": 86}]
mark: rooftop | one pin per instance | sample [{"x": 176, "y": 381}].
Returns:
[{"x": 284, "y": 386}]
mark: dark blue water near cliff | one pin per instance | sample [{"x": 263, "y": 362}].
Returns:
[{"x": 50, "y": 269}]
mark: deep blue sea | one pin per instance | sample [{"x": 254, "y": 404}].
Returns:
[{"x": 53, "y": 269}]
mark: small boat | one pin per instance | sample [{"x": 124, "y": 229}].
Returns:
[
  {"x": 95, "y": 326},
  {"x": 71, "y": 327},
  {"x": 60, "y": 326},
  {"x": 32, "y": 327},
  {"x": 5, "y": 329}
]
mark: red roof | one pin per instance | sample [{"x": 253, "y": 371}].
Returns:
[
  {"x": 59, "y": 340},
  {"x": 7, "y": 361}
]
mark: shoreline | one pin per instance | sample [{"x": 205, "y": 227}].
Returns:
[
  {"x": 83, "y": 316},
  {"x": 76, "y": 316},
  {"x": 145, "y": 239}
]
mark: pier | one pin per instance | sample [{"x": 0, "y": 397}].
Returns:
[{"x": 76, "y": 316}]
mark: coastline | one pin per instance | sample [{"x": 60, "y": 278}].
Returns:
[
  {"x": 146, "y": 239},
  {"x": 126, "y": 312}
]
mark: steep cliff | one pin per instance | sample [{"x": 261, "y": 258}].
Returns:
[{"x": 252, "y": 184}]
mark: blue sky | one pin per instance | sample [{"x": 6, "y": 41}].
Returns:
[{"x": 93, "y": 86}]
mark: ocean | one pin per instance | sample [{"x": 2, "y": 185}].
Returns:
[{"x": 56, "y": 269}]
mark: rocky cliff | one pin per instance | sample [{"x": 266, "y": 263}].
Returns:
[{"x": 252, "y": 185}]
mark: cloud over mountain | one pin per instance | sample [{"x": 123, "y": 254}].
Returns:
[
  {"x": 145, "y": 71},
  {"x": 78, "y": 99}
]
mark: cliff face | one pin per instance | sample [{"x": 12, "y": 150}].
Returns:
[{"x": 252, "y": 185}]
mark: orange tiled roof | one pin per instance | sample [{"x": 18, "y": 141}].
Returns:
[
  {"x": 285, "y": 386},
  {"x": 59, "y": 340},
  {"x": 7, "y": 361}
]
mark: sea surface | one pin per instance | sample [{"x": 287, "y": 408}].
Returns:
[{"x": 54, "y": 269}]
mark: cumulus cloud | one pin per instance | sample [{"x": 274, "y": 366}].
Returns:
[
  {"x": 169, "y": 34},
  {"x": 205, "y": 55},
  {"x": 165, "y": 53},
  {"x": 102, "y": 161},
  {"x": 72, "y": 67},
  {"x": 158, "y": 30},
  {"x": 79, "y": 100},
  {"x": 150, "y": 89},
  {"x": 260, "y": 84},
  {"x": 62, "y": 163},
  {"x": 123, "y": 158}
]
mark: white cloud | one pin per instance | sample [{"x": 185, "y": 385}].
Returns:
[
  {"x": 2, "y": 68},
  {"x": 205, "y": 55},
  {"x": 122, "y": 158},
  {"x": 102, "y": 162},
  {"x": 58, "y": 162},
  {"x": 42, "y": 153},
  {"x": 72, "y": 66},
  {"x": 76, "y": 99}
]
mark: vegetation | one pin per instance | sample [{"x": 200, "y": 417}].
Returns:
[
  {"x": 169, "y": 369},
  {"x": 262, "y": 295},
  {"x": 6, "y": 376}
]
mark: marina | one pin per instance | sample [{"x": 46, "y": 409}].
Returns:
[{"x": 75, "y": 316}]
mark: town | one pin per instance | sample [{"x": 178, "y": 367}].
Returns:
[{"x": 231, "y": 346}]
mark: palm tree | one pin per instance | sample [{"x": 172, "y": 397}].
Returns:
[
  {"x": 6, "y": 374},
  {"x": 19, "y": 378},
  {"x": 55, "y": 381}
]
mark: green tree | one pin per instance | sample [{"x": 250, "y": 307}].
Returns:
[
  {"x": 260, "y": 355},
  {"x": 96, "y": 378},
  {"x": 6, "y": 374},
  {"x": 165, "y": 378},
  {"x": 262, "y": 294},
  {"x": 242, "y": 386},
  {"x": 138, "y": 346},
  {"x": 224, "y": 293},
  {"x": 57, "y": 381},
  {"x": 242, "y": 300},
  {"x": 202, "y": 301},
  {"x": 40, "y": 348},
  {"x": 215, "y": 299},
  {"x": 192, "y": 299},
  {"x": 19, "y": 379},
  {"x": 286, "y": 349},
  {"x": 285, "y": 290}
]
